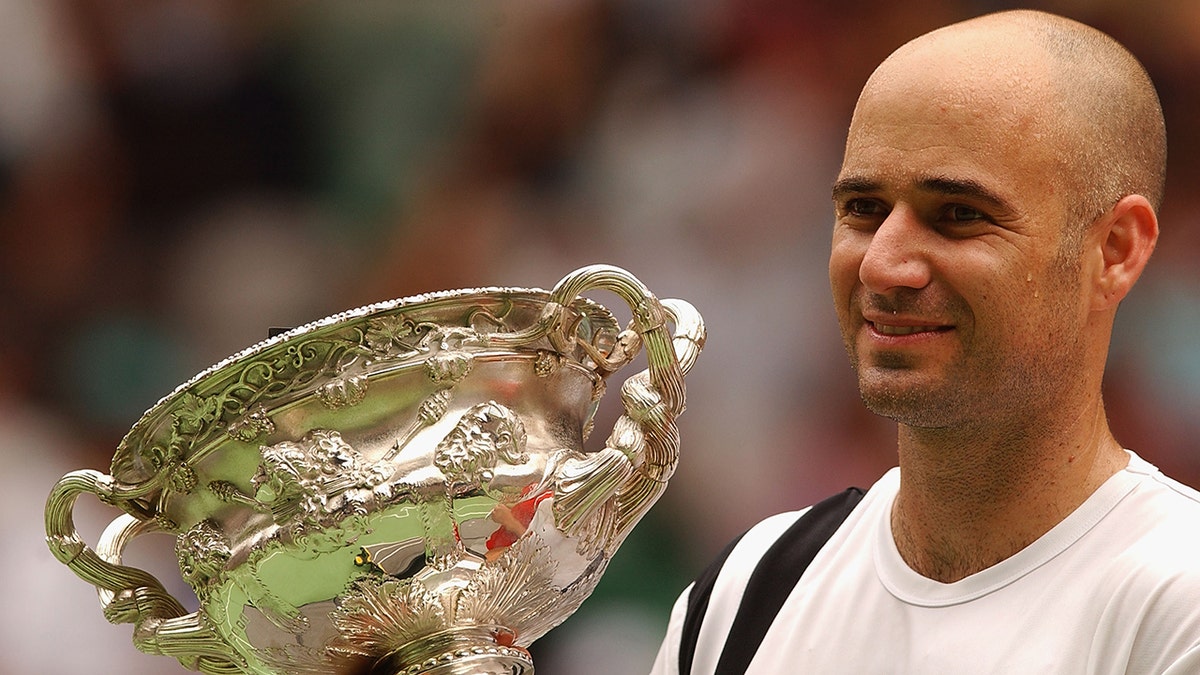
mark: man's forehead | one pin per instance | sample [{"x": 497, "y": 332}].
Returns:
[
  {"x": 979, "y": 87},
  {"x": 967, "y": 62}
]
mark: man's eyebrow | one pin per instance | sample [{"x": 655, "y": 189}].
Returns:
[
  {"x": 963, "y": 187},
  {"x": 942, "y": 185},
  {"x": 854, "y": 185}
]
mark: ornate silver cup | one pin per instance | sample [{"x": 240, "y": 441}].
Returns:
[{"x": 401, "y": 488}]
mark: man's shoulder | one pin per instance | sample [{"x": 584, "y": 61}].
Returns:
[
  {"x": 1156, "y": 525},
  {"x": 1161, "y": 503},
  {"x": 1153, "y": 574}
]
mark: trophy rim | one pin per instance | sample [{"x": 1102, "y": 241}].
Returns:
[{"x": 144, "y": 426}]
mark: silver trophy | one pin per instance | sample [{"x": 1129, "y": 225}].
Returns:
[{"x": 398, "y": 489}]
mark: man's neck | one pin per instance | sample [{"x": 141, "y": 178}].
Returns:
[{"x": 967, "y": 502}]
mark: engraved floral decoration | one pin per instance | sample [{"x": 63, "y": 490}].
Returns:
[
  {"x": 252, "y": 425},
  {"x": 235, "y": 406},
  {"x": 333, "y": 365},
  {"x": 195, "y": 413},
  {"x": 434, "y": 407},
  {"x": 378, "y": 615},
  {"x": 343, "y": 392},
  {"x": 390, "y": 336},
  {"x": 448, "y": 367},
  {"x": 168, "y": 462},
  {"x": 546, "y": 362}
]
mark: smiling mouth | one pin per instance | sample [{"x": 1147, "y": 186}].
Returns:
[{"x": 886, "y": 329}]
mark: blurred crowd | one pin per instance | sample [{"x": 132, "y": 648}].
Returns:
[{"x": 178, "y": 176}]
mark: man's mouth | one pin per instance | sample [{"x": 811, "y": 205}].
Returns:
[{"x": 888, "y": 329}]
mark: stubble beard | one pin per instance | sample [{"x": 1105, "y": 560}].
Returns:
[
  {"x": 984, "y": 387},
  {"x": 921, "y": 406},
  {"x": 918, "y": 403}
]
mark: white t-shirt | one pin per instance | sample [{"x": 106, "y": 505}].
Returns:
[{"x": 1114, "y": 589}]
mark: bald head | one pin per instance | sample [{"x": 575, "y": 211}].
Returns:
[{"x": 1091, "y": 106}]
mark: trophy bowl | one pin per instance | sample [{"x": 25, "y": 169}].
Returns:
[{"x": 400, "y": 488}]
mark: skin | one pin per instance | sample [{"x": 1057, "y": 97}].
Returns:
[{"x": 975, "y": 306}]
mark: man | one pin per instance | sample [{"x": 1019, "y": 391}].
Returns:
[{"x": 995, "y": 204}]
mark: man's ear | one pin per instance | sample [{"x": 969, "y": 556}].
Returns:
[{"x": 1125, "y": 237}]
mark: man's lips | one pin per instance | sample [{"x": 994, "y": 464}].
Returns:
[
  {"x": 899, "y": 325},
  {"x": 905, "y": 329}
]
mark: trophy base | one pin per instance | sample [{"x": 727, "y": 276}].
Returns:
[
  {"x": 505, "y": 661},
  {"x": 466, "y": 657},
  {"x": 474, "y": 664}
]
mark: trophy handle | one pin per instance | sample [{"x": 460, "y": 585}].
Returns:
[
  {"x": 128, "y": 594},
  {"x": 670, "y": 356},
  {"x": 649, "y": 321},
  {"x": 646, "y": 433}
]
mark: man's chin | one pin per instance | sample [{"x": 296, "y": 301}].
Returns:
[{"x": 912, "y": 405}]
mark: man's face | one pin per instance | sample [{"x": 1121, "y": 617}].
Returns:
[{"x": 957, "y": 297}]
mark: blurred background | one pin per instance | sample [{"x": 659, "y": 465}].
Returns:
[{"x": 177, "y": 176}]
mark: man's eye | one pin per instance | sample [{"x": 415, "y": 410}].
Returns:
[
  {"x": 864, "y": 207},
  {"x": 963, "y": 214}
]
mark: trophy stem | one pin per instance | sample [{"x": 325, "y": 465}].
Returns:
[{"x": 460, "y": 651}]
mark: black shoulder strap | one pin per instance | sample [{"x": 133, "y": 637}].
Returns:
[
  {"x": 769, "y": 586},
  {"x": 697, "y": 607}
]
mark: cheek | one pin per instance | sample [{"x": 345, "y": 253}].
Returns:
[
  {"x": 845, "y": 260},
  {"x": 1029, "y": 312}
]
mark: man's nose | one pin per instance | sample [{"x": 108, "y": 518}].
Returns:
[{"x": 897, "y": 256}]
